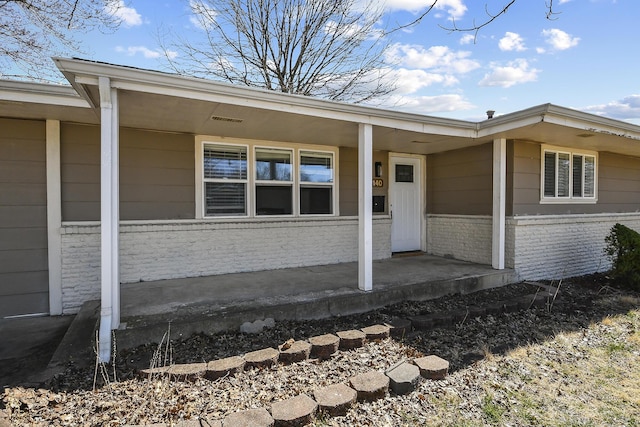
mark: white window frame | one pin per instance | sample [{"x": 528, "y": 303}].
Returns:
[
  {"x": 245, "y": 181},
  {"x": 251, "y": 146},
  {"x": 571, "y": 198},
  {"x": 291, "y": 183},
  {"x": 318, "y": 184}
]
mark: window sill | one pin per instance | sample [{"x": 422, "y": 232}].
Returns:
[{"x": 568, "y": 201}]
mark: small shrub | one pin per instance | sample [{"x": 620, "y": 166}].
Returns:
[{"x": 623, "y": 248}]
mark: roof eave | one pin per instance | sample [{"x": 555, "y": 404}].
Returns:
[
  {"x": 81, "y": 72},
  {"x": 40, "y": 93},
  {"x": 554, "y": 114}
]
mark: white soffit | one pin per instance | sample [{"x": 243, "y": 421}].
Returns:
[
  {"x": 535, "y": 121},
  {"x": 81, "y": 73},
  {"x": 39, "y": 93}
]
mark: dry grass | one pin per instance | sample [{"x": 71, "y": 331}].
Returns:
[
  {"x": 587, "y": 375},
  {"x": 586, "y": 378}
]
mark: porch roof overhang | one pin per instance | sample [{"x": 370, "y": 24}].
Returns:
[
  {"x": 37, "y": 101},
  {"x": 166, "y": 102}
]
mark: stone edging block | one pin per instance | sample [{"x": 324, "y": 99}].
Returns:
[
  {"x": 376, "y": 332},
  {"x": 295, "y": 352},
  {"x": 223, "y": 367},
  {"x": 432, "y": 367},
  {"x": 250, "y": 417},
  {"x": 297, "y": 411},
  {"x": 323, "y": 346},
  {"x": 370, "y": 386},
  {"x": 351, "y": 339},
  {"x": 261, "y": 358},
  {"x": 403, "y": 377},
  {"x": 335, "y": 399}
]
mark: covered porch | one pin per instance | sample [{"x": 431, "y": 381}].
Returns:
[
  {"x": 141, "y": 108},
  {"x": 214, "y": 303}
]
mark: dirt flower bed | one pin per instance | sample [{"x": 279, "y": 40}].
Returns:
[{"x": 577, "y": 363}]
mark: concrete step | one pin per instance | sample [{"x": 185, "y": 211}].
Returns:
[{"x": 188, "y": 320}]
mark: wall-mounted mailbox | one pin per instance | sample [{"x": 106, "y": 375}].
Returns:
[{"x": 378, "y": 203}]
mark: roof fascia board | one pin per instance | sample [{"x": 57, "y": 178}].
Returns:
[
  {"x": 82, "y": 72},
  {"x": 39, "y": 93},
  {"x": 553, "y": 114},
  {"x": 593, "y": 119},
  {"x": 506, "y": 126},
  {"x": 309, "y": 107},
  {"x": 592, "y": 123},
  {"x": 200, "y": 89}
]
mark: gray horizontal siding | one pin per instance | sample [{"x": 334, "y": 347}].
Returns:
[
  {"x": 618, "y": 184},
  {"x": 24, "y": 281},
  {"x": 157, "y": 174},
  {"x": 460, "y": 182}
]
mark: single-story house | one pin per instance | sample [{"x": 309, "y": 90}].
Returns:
[{"x": 133, "y": 175}]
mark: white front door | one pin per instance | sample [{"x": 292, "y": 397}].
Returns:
[{"x": 405, "y": 177}]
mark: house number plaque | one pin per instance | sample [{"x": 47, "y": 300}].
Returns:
[{"x": 378, "y": 183}]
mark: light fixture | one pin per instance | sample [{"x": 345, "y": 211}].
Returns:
[{"x": 378, "y": 169}]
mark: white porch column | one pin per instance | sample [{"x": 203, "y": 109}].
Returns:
[
  {"x": 365, "y": 214},
  {"x": 109, "y": 217},
  {"x": 499, "y": 202},
  {"x": 54, "y": 217}
]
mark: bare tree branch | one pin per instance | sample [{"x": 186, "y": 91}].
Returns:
[
  {"x": 475, "y": 28},
  {"x": 31, "y": 31},
  {"x": 332, "y": 49}
]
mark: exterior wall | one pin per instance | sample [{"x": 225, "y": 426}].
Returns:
[
  {"x": 459, "y": 203},
  {"x": 460, "y": 182},
  {"x": 560, "y": 246},
  {"x": 618, "y": 184},
  {"x": 464, "y": 237},
  {"x": 175, "y": 249},
  {"x": 24, "y": 281},
  {"x": 80, "y": 172},
  {"x": 157, "y": 174},
  {"x": 348, "y": 170}
]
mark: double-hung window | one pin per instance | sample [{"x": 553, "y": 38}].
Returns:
[
  {"x": 568, "y": 176},
  {"x": 225, "y": 180},
  {"x": 274, "y": 181},
  {"x": 256, "y": 181},
  {"x": 316, "y": 183}
]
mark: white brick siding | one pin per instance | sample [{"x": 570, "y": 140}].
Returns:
[
  {"x": 560, "y": 246},
  {"x": 175, "y": 249},
  {"x": 464, "y": 237}
]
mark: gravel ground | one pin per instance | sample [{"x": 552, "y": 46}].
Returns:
[{"x": 488, "y": 357}]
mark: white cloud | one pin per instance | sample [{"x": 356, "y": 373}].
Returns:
[
  {"x": 203, "y": 15},
  {"x": 437, "y": 58},
  {"x": 467, "y": 39},
  {"x": 352, "y": 30},
  {"x": 559, "y": 40},
  {"x": 623, "y": 109},
  {"x": 429, "y": 104},
  {"x": 411, "y": 81},
  {"x": 127, "y": 15},
  {"x": 511, "y": 41},
  {"x": 146, "y": 52},
  {"x": 513, "y": 73},
  {"x": 454, "y": 8}
]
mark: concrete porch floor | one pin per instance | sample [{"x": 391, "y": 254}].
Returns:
[{"x": 214, "y": 303}]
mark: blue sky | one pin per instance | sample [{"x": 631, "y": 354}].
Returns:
[{"x": 585, "y": 58}]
